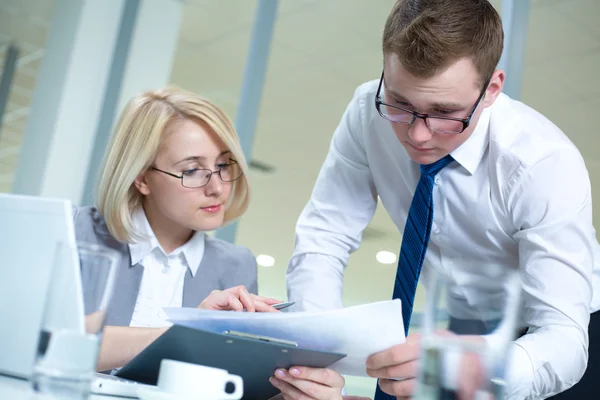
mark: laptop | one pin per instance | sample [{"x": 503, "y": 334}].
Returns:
[{"x": 35, "y": 294}]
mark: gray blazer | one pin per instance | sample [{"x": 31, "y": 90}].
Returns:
[{"x": 223, "y": 265}]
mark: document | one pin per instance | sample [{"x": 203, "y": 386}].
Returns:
[{"x": 358, "y": 331}]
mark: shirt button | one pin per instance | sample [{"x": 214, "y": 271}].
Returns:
[
  {"x": 438, "y": 181},
  {"x": 435, "y": 229}
]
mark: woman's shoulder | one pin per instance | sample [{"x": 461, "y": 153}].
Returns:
[
  {"x": 86, "y": 213},
  {"x": 236, "y": 264},
  {"x": 233, "y": 253},
  {"x": 90, "y": 227},
  {"x": 88, "y": 218}
]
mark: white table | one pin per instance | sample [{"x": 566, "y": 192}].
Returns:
[{"x": 18, "y": 389}]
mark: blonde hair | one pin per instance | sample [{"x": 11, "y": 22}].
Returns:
[{"x": 135, "y": 144}]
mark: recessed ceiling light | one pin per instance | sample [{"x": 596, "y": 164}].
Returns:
[
  {"x": 386, "y": 257},
  {"x": 264, "y": 260}
]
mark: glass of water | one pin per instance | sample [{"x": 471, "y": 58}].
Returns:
[
  {"x": 83, "y": 279},
  {"x": 467, "y": 328}
]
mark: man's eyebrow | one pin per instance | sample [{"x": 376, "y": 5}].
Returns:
[
  {"x": 393, "y": 92},
  {"x": 450, "y": 105}
]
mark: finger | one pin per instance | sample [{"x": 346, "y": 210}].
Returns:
[
  {"x": 323, "y": 376},
  {"x": 212, "y": 300},
  {"x": 404, "y": 370},
  {"x": 471, "y": 376},
  {"x": 288, "y": 391},
  {"x": 235, "y": 289},
  {"x": 245, "y": 298},
  {"x": 221, "y": 300},
  {"x": 311, "y": 389},
  {"x": 396, "y": 355},
  {"x": 259, "y": 306},
  {"x": 233, "y": 303},
  {"x": 266, "y": 300},
  {"x": 405, "y": 388}
]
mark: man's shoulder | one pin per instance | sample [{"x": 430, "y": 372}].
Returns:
[
  {"x": 367, "y": 90},
  {"x": 523, "y": 134}
]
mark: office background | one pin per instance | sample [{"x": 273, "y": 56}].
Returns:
[{"x": 68, "y": 67}]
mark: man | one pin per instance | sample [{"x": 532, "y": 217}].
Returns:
[{"x": 505, "y": 186}]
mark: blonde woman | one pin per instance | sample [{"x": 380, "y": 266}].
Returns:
[{"x": 173, "y": 170}]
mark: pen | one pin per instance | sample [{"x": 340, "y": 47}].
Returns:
[{"x": 281, "y": 306}]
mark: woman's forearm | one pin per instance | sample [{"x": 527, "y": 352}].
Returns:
[{"x": 120, "y": 344}]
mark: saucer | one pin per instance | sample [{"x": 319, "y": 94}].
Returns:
[
  {"x": 154, "y": 394},
  {"x": 157, "y": 394}
]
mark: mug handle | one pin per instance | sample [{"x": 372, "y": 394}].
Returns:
[{"x": 239, "y": 388}]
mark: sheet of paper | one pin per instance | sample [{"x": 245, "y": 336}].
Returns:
[{"x": 357, "y": 331}]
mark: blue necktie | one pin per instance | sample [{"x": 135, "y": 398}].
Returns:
[{"x": 414, "y": 244}]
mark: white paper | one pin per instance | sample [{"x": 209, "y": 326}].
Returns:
[{"x": 358, "y": 331}]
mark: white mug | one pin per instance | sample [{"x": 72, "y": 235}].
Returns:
[{"x": 186, "y": 380}]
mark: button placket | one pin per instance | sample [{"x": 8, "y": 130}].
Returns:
[{"x": 438, "y": 217}]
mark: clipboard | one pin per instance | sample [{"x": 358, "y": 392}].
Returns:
[{"x": 254, "y": 358}]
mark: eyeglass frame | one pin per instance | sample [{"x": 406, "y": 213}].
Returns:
[
  {"x": 218, "y": 171},
  {"x": 465, "y": 121}
]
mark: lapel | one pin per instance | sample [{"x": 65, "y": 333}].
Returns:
[
  {"x": 197, "y": 288},
  {"x": 129, "y": 277}
]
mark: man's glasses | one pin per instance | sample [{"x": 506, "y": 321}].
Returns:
[
  {"x": 199, "y": 177},
  {"x": 436, "y": 123}
]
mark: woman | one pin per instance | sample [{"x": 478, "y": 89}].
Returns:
[{"x": 173, "y": 170}]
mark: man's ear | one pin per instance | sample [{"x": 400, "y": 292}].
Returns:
[{"x": 494, "y": 88}]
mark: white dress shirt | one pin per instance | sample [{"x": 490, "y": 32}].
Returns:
[
  {"x": 163, "y": 279},
  {"x": 518, "y": 196}
]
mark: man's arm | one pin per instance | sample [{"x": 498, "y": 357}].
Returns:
[
  {"x": 330, "y": 227},
  {"x": 552, "y": 210}
]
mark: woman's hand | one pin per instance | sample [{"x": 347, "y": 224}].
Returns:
[
  {"x": 304, "y": 383},
  {"x": 238, "y": 299}
]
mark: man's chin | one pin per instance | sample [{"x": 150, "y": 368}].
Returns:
[{"x": 424, "y": 158}]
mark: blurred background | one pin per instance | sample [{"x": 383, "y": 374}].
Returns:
[{"x": 283, "y": 70}]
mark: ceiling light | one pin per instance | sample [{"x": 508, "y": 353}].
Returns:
[
  {"x": 264, "y": 260},
  {"x": 386, "y": 257}
]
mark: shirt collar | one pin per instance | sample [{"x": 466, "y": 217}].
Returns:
[
  {"x": 143, "y": 247},
  {"x": 470, "y": 153},
  {"x": 192, "y": 250}
]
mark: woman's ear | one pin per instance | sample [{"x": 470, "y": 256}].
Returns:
[{"x": 141, "y": 184}]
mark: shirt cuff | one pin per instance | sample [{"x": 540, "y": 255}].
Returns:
[{"x": 518, "y": 373}]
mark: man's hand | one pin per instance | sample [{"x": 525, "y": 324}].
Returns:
[
  {"x": 238, "y": 299},
  {"x": 398, "y": 367},
  {"x": 400, "y": 363}
]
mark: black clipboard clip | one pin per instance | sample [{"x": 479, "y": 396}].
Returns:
[{"x": 261, "y": 338}]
